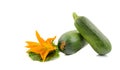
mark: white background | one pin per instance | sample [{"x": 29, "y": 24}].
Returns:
[{"x": 20, "y": 18}]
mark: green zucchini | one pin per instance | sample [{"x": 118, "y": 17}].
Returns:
[
  {"x": 92, "y": 34},
  {"x": 71, "y": 42}
]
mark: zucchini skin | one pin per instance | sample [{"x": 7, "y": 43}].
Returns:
[
  {"x": 71, "y": 42},
  {"x": 92, "y": 35}
]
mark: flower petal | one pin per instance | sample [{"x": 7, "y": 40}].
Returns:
[
  {"x": 50, "y": 40},
  {"x": 32, "y": 44},
  {"x": 41, "y": 40}
]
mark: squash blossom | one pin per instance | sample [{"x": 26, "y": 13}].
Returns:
[{"x": 42, "y": 47}]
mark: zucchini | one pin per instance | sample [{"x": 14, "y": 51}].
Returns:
[
  {"x": 71, "y": 42},
  {"x": 92, "y": 34}
]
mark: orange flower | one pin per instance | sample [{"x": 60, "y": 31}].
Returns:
[{"x": 41, "y": 47}]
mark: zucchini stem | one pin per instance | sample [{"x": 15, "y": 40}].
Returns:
[{"x": 75, "y": 16}]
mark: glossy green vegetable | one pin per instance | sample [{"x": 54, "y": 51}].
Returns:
[
  {"x": 70, "y": 42},
  {"x": 92, "y": 35}
]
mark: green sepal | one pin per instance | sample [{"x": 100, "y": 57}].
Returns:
[{"x": 52, "y": 55}]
